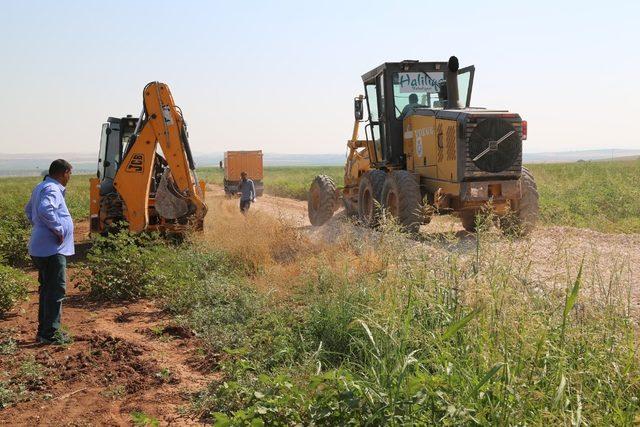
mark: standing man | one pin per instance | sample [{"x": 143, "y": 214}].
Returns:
[
  {"x": 50, "y": 244},
  {"x": 247, "y": 192}
]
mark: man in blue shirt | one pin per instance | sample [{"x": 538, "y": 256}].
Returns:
[
  {"x": 247, "y": 192},
  {"x": 50, "y": 244}
]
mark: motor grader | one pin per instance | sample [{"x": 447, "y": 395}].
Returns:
[
  {"x": 135, "y": 183},
  {"x": 426, "y": 152}
]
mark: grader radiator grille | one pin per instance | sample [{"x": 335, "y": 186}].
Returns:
[{"x": 509, "y": 161}]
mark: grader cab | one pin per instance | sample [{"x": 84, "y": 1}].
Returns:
[{"x": 427, "y": 151}]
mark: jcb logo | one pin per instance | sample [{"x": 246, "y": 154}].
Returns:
[{"x": 136, "y": 164}]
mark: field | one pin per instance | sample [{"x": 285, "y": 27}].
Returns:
[
  {"x": 603, "y": 196},
  {"x": 280, "y": 324}
]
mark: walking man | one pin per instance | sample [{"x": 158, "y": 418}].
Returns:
[
  {"x": 50, "y": 244},
  {"x": 247, "y": 192}
]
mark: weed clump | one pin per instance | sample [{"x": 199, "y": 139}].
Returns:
[
  {"x": 14, "y": 238},
  {"x": 126, "y": 266},
  {"x": 121, "y": 266},
  {"x": 13, "y": 287}
]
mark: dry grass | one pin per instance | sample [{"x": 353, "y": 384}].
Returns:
[
  {"x": 277, "y": 254},
  {"x": 256, "y": 240}
]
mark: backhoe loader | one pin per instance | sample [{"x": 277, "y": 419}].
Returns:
[
  {"x": 135, "y": 183},
  {"x": 426, "y": 152}
]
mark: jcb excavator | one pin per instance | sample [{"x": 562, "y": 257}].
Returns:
[{"x": 138, "y": 185}]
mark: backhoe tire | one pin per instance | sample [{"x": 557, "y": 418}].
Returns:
[
  {"x": 369, "y": 197},
  {"x": 524, "y": 216},
  {"x": 402, "y": 199},
  {"x": 468, "y": 218},
  {"x": 322, "y": 201}
]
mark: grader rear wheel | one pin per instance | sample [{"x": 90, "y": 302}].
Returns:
[
  {"x": 468, "y": 219},
  {"x": 525, "y": 211},
  {"x": 369, "y": 197},
  {"x": 322, "y": 201},
  {"x": 401, "y": 197}
]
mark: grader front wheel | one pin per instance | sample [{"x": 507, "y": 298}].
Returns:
[{"x": 322, "y": 201}]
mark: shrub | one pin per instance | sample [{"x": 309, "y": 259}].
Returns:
[
  {"x": 333, "y": 308},
  {"x": 14, "y": 238},
  {"x": 126, "y": 266},
  {"x": 122, "y": 266},
  {"x": 13, "y": 287},
  {"x": 217, "y": 309}
]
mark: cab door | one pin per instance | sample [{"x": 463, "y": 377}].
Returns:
[
  {"x": 374, "y": 131},
  {"x": 465, "y": 84},
  {"x": 103, "y": 149}
]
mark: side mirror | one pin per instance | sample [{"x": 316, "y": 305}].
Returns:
[{"x": 358, "y": 111}]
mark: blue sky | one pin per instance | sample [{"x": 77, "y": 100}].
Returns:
[{"x": 281, "y": 75}]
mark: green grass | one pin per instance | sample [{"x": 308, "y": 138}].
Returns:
[
  {"x": 411, "y": 338},
  {"x": 603, "y": 196},
  {"x": 17, "y": 190}
]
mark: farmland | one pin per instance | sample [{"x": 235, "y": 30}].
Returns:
[
  {"x": 603, "y": 196},
  {"x": 350, "y": 326}
]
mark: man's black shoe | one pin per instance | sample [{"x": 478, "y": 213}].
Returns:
[{"x": 58, "y": 338}]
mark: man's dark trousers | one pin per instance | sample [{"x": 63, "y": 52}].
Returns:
[{"x": 52, "y": 276}]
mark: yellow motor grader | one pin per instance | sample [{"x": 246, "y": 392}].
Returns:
[{"x": 427, "y": 151}]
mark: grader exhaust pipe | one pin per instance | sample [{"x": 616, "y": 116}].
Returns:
[{"x": 453, "y": 96}]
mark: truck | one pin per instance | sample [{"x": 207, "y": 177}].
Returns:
[{"x": 236, "y": 162}]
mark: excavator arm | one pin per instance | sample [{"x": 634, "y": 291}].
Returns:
[{"x": 179, "y": 194}]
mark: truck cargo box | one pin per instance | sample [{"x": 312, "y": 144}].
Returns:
[{"x": 236, "y": 162}]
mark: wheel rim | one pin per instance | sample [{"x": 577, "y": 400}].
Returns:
[
  {"x": 392, "y": 203},
  {"x": 367, "y": 204},
  {"x": 315, "y": 199}
]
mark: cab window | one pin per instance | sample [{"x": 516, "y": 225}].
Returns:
[
  {"x": 372, "y": 102},
  {"x": 416, "y": 90},
  {"x": 465, "y": 83}
]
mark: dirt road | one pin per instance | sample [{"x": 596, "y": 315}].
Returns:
[{"x": 607, "y": 258}]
